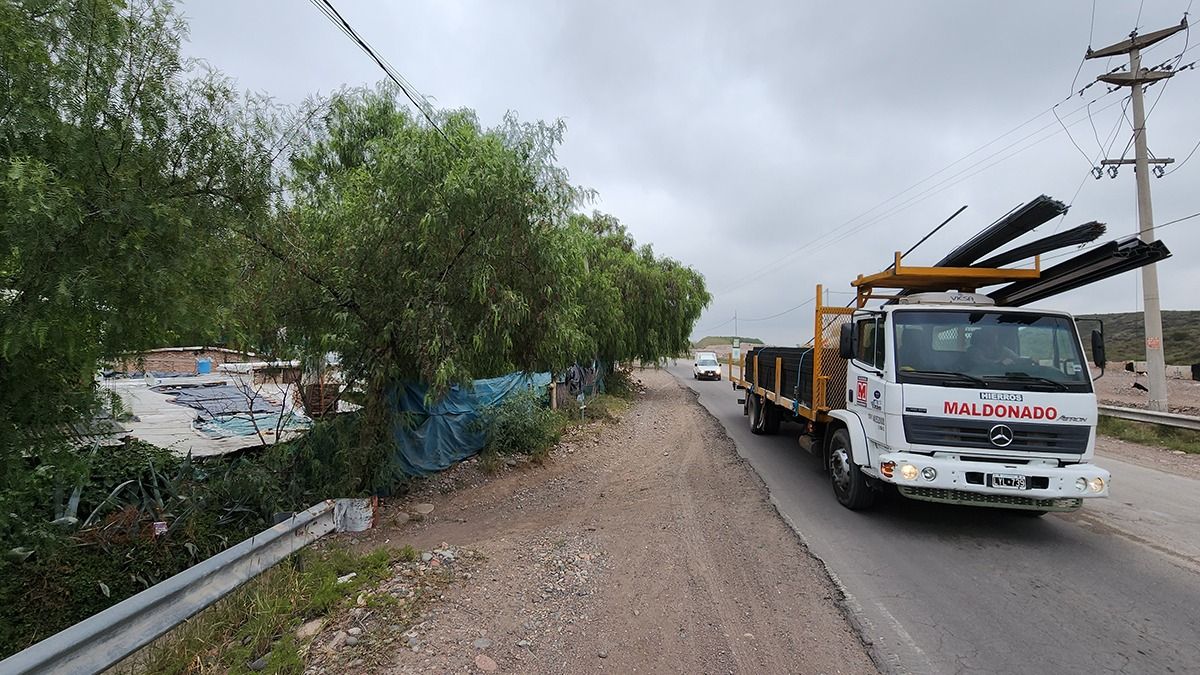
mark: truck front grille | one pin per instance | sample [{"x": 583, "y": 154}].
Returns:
[
  {"x": 1027, "y": 437},
  {"x": 962, "y": 497}
]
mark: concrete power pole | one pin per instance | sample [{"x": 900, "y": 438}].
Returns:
[{"x": 1136, "y": 79}]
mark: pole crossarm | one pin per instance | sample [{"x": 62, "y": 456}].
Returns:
[
  {"x": 1131, "y": 79},
  {"x": 1113, "y": 162},
  {"x": 1135, "y": 41}
]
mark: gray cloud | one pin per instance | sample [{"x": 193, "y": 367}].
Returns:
[{"x": 727, "y": 135}]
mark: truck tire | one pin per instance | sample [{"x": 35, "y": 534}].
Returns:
[
  {"x": 849, "y": 484},
  {"x": 756, "y": 414}
]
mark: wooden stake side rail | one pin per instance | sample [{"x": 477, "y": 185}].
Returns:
[{"x": 773, "y": 395}]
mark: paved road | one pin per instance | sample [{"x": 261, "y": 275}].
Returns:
[{"x": 936, "y": 589}]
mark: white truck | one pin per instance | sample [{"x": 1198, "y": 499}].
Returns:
[{"x": 944, "y": 395}]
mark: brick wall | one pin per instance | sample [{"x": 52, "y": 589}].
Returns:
[{"x": 179, "y": 361}]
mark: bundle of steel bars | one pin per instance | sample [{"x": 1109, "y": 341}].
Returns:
[
  {"x": 1096, "y": 264},
  {"x": 1083, "y": 234}
]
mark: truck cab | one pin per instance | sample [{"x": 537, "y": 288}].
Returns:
[{"x": 955, "y": 400}]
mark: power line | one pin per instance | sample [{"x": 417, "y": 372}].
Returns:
[
  {"x": 786, "y": 311},
  {"x": 1091, "y": 30},
  {"x": 1177, "y": 220},
  {"x": 1185, "y": 159},
  {"x": 1111, "y": 138},
  {"x": 712, "y": 328},
  {"x": 1093, "y": 245},
  {"x": 1064, "y": 128},
  {"x": 817, "y": 244},
  {"x": 1187, "y": 36},
  {"x": 326, "y": 7}
]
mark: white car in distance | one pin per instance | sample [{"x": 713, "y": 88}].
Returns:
[{"x": 706, "y": 367}]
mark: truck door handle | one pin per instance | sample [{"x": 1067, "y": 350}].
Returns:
[{"x": 849, "y": 396}]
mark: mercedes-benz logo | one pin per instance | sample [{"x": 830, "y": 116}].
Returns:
[{"x": 1000, "y": 435}]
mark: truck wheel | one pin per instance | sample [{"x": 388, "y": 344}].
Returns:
[
  {"x": 756, "y": 415},
  {"x": 849, "y": 483}
]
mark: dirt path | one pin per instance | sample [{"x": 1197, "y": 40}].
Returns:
[{"x": 651, "y": 549}]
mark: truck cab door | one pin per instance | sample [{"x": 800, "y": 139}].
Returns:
[{"x": 865, "y": 381}]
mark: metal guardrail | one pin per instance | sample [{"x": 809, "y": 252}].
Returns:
[
  {"x": 106, "y": 638},
  {"x": 1151, "y": 417}
]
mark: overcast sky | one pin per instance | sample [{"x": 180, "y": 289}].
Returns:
[{"x": 731, "y": 136}]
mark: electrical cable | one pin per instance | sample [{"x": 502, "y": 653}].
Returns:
[
  {"x": 1091, "y": 31},
  {"x": 1072, "y": 138},
  {"x": 712, "y": 328},
  {"x": 326, "y": 8},
  {"x": 1185, "y": 160},
  {"x": 817, "y": 243},
  {"x": 786, "y": 311},
  {"x": 1187, "y": 36},
  {"x": 1088, "y": 247}
]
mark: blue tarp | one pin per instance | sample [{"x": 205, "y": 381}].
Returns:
[{"x": 435, "y": 437}]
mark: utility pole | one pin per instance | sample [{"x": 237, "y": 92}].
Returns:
[{"x": 1137, "y": 79}]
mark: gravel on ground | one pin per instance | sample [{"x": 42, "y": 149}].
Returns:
[
  {"x": 642, "y": 545},
  {"x": 1150, "y": 457},
  {"x": 1117, "y": 388}
]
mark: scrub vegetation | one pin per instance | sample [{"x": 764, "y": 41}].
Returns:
[
  {"x": 146, "y": 203},
  {"x": 1184, "y": 440},
  {"x": 1125, "y": 335}
]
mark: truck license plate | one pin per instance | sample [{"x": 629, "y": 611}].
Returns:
[{"x": 1008, "y": 481}]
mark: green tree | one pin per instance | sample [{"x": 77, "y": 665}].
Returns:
[
  {"x": 417, "y": 256},
  {"x": 122, "y": 180},
  {"x": 636, "y": 306}
]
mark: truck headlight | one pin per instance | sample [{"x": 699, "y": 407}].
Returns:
[
  {"x": 1096, "y": 484},
  {"x": 1081, "y": 484},
  {"x": 908, "y": 472},
  {"x": 929, "y": 473}
]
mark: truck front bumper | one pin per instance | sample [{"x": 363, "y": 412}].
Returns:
[{"x": 955, "y": 481}]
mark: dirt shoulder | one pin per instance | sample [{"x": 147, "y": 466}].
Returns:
[
  {"x": 651, "y": 548},
  {"x": 1117, "y": 388},
  {"x": 1150, "y": 457}
]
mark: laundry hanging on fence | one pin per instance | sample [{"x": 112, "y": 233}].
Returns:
[{"x": 430, "y": 438}]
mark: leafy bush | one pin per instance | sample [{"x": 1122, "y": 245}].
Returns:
[
  {"x": 71, "y": 567},
  {"x": 521, "y": 424},
  {"x": 619, "y": 383}
]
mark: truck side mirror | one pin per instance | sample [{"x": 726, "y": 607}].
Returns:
[
  {"x": 1098, "y": 356},
  {"x": 846, "y": 341}
]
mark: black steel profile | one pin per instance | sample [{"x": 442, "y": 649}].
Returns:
[
  {"x": 1021, "y": 220},
  {"x": 1082, "y": 234},
  {"x": 1097, "y": 264}
]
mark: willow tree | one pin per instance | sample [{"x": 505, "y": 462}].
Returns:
[
  {"x": 422, "y": 253},
  {"x": 123, "y": 176},
  {"x": 637, "y": 306}
]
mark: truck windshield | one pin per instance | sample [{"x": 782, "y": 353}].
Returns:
[{"x": 996, "y": 350}]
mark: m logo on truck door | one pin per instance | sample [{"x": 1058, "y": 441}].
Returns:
[
  {"x": 860, "y": 390},
  {"x": 1000, "y": 435}
]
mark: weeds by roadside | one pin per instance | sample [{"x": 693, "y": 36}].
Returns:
[
  {"x": 260, "y": 622},
  {"x": 1183, "y": 440}
]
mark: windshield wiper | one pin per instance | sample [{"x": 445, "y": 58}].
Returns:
[
  {"x": 1036, "y": 378},
  {"x": 945, "y": 373}
]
